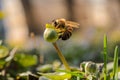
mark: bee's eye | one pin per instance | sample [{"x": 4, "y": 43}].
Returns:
[{"x": 55, "y": 23}]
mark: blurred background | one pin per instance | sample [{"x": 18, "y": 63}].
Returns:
[{"x": 22, "y": 23}]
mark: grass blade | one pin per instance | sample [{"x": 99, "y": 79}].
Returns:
[
  {"x": 115, "y": 66},
  {"x": 105, "y": 56}
]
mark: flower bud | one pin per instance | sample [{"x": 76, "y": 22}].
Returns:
[
  {"x": 90, "y": 68},
  {"x": 50, "y": 35}
]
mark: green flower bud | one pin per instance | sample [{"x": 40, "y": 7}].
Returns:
[
  {"x": 50, "y": 35},
  {"x": 90, "y": 67},
  {"x": 82, "y": 66}
]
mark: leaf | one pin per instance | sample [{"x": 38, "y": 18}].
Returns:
[
  {"x": 25, "y": 60},
  {"x": 3, "y": 51},
  {"x": 105, "y": 57},
  {"x": 57, "y": 76},
  {"x": 2, "y": 63},
  {"x": 115, "y": 68},
  {"x": 45, "y": 68},
  {"x": 76, "y": 73}
]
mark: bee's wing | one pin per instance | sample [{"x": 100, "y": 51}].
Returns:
[{"x": 72, "y": 24}]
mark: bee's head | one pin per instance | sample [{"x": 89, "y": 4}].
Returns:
[
  {"x": 58, "y": 22},
  {"x": 55, "y": 22}
]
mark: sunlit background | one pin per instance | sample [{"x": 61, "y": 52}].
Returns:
[{"x": 22, "y": 23}]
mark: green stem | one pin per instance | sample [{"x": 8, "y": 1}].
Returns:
[{"x": 61, "y": 57}]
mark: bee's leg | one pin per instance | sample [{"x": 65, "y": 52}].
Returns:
[
  {"x": 60, "y": 34},
  {"x": 58, "y": 26},
  {"x": 69, "y": 33},
  {"x": 70, "y": 29}
]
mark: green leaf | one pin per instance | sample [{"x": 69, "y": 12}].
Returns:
[
  {"x": 49, "y": 26},
  {"x": 115, "y": 67},
  {"x": 2, "y": 63},
  {"x": 76, "y": 73},
  {"x": 105, "y": 57},
  {"x": 3, "y": 51},
  {"x": 45, "y": 68},
  {"x": 57, "y": 76},
  {"x": 25, "y": 60}
]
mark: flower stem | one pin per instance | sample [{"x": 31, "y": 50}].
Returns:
[{"x": 61, "y": 56}]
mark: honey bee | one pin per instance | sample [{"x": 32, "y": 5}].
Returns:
[{"x": 65, "y": 27}]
